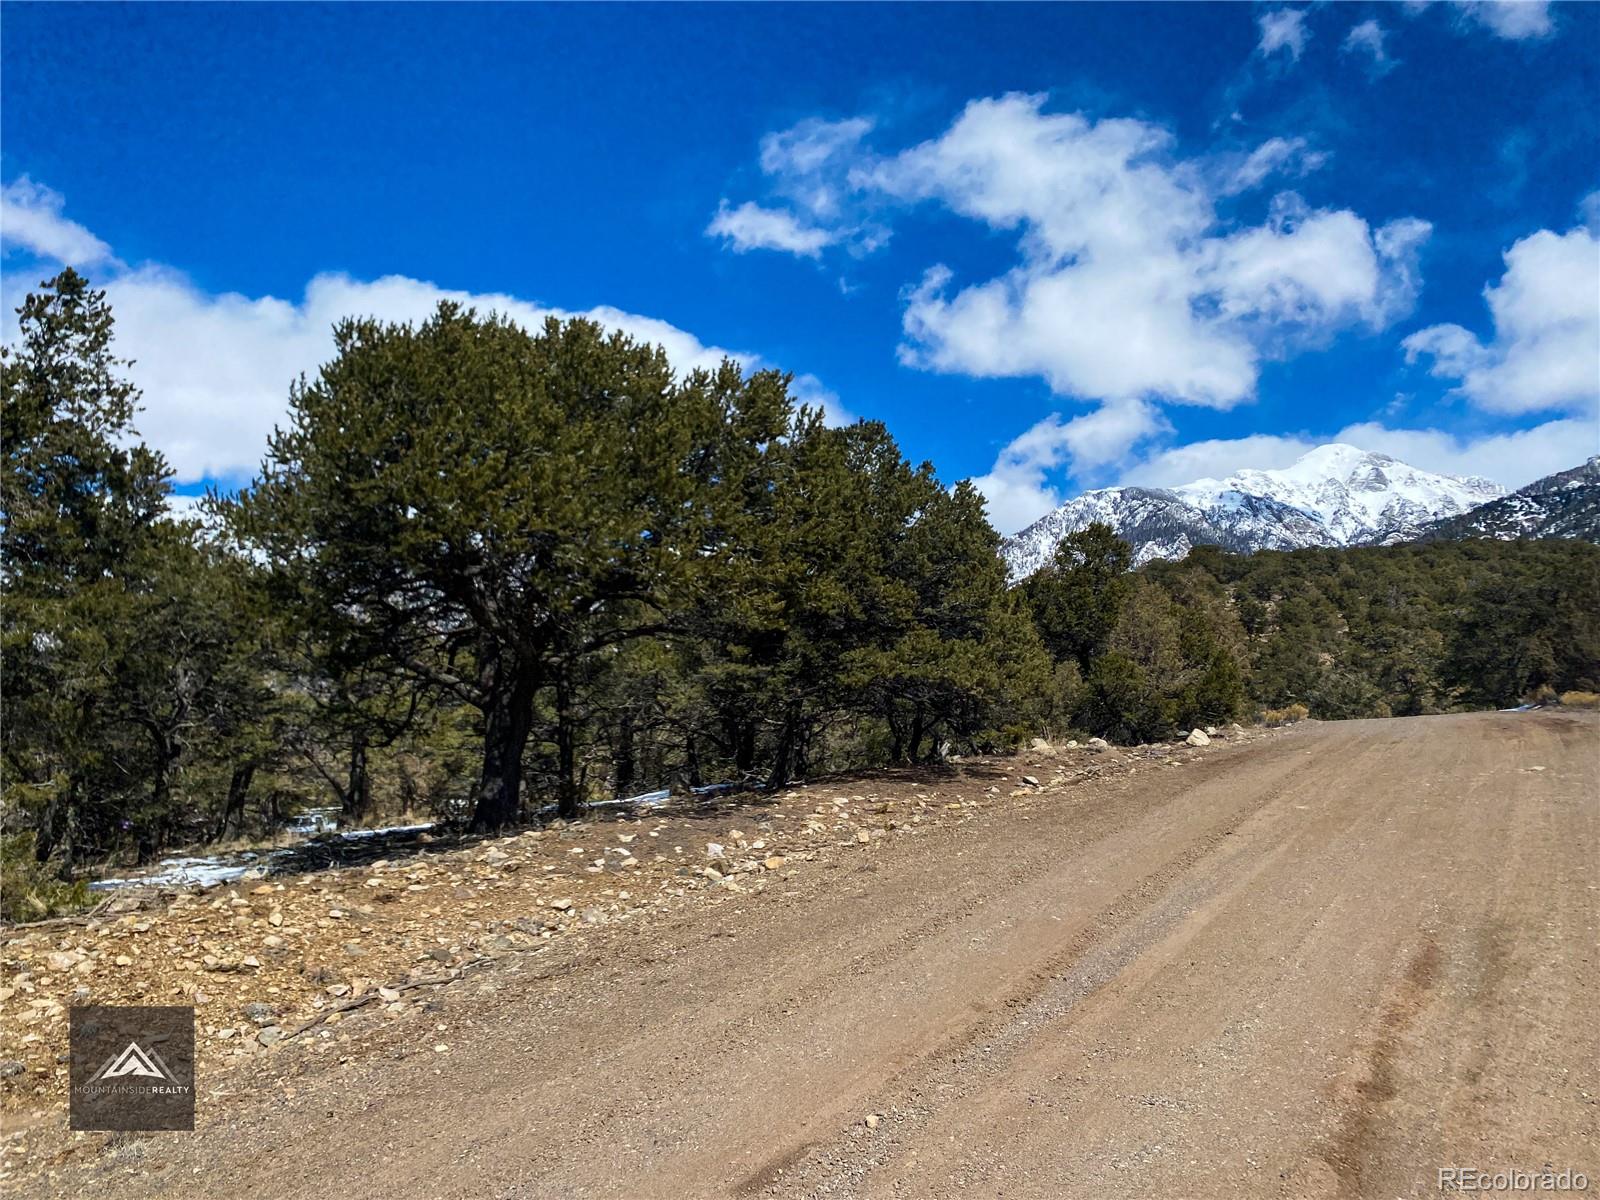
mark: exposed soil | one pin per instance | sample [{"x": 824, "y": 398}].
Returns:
[{"x": 1321, "y": 963}]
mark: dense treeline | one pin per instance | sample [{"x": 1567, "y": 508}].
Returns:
[
  {"x": 1406, "y": 630},
  {"x": 486, "y": 572},
  {"x": 483, "y": 570}
]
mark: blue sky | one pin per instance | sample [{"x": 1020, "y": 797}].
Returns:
[{"x": 1051, "y": 247}]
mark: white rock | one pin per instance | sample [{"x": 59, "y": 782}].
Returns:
[{"x": 1196, "y": 738}]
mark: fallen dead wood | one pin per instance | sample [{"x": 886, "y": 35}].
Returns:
[{"x": 371, "y": 994}]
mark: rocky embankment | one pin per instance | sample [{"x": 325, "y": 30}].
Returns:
[{"x": 284, "y": 961}]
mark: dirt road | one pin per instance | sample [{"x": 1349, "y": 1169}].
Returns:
[{"x": 1324, "y": 964}]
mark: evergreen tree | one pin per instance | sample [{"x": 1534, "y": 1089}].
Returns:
[
  {"x": 490, "y": 506},
  {"x": 81, "y": 558},
  {"x": 1077, "y": 599}
]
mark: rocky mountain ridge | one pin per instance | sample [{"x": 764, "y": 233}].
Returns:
[{"x": 1334, "y": 495}]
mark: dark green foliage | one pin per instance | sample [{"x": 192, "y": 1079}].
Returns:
[
  {"x": 1404, "y": 630},
  {"x": 1150, "y": 658},
  {"x": 482, "y": 508},
  {"x": 1077, "y": 599},
  {"x": 129, "y": 645},
  {"x": 488, "y": 572},
  {"x": 1362, "y": 632},
  {"x": 629, "y": 575}
]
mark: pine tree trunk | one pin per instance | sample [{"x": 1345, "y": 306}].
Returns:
[
  {"x": 692, "y": 764},
  {"x": 238, "y": 790},
  {"x": 787, "y": 750},
  {"x": 57, "y": 831},
  {"x": 744, "y": 754},
  {"x": 624, "y": 768},
  {"x": 151, "y": 835},
  {"x": 567, "y": 792},
  {"x": 357, "y": 797},
  {"x": 508, "y": 718}
]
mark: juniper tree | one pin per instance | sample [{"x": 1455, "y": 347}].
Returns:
[
  {"x": 1077, "y": 598},
  {"x": 79, "y": 506},
  {"x": 489, "y": 506}
]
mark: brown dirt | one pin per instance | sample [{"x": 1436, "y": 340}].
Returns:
[{"x": 1324, "y": 963}]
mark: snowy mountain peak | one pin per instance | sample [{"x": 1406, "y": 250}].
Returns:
[
  {"x": 1357, "y": 494},
  {"x": 1333, "y": 495}
]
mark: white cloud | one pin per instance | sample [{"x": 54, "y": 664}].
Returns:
[
  {"x": 1017, "y": 489},
  {"x": 1129, "y": 290},
  {"x": 808, "y": 171},
  {"x": 1545, "y": 353},
  {"x": 1367, "y": 39},
  {"x": 215, "y": 369},
  {"x": 1510, "y": 19},
  {"x": 31, "y": 219},
  {"x": 1276, "y": 155},
  {"x": 751, "y": 227},
  {"x": 802, "y": 151},
  {"x": 1317, "y": 269},
  {"x": 1215, "y": 458},
  {"x": 1589, "y": 209},
  {"x": 1510, "y": 459},
  {"x": 1128, "y": 285},
  {"x": 1283, "y": 29}
]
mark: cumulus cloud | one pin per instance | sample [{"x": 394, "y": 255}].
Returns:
[
  {"x": 751, "y": 227},
  {"x": 1129, "y": 286},
  {"x": 809, "y": 390},
  {"x": 1129, "y": 289},
  {"x": 1510, "y": 459},
  {"x": 32, "y": 220},
  {"x": 1283, "y": 29},
  {"x": 1017, "y": 489},
  {"x": 807, "y": 169},
  {"x": 801, "y": 152},
  {"x": 1366, "y": 40},
  {"x": 215, "y": 369},
  {"x": 1545, "y": 352}
]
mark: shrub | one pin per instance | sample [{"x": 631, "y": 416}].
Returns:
[
  {"x": 1284, "y": 716},
  {"x": 1543, "y": 694},
  {"x": 1580, "y": 699},
  {"x": 1121, "y": 703},
  {"x": 29, "y": 889}
]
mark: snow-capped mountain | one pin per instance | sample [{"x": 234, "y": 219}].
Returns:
[
  {"x": 1335, "y": 495},
  {"x": 1563, "y": 505}
]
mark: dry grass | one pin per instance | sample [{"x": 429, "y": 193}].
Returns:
[
  {"x": 1580, "y": 699},
  {"x": 1284, "y": 716}
]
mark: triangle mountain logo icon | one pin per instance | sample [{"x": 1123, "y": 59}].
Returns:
[{"x": 136, "y": 1064}]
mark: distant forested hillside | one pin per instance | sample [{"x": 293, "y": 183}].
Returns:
[{"x": 1401, "y": 630}]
